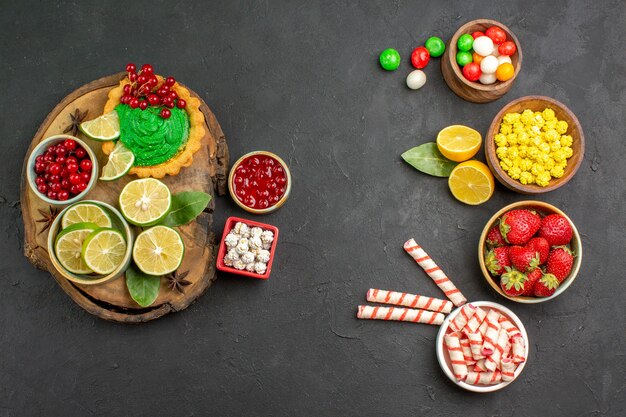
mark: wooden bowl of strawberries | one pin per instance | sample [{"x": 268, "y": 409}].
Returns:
[{"x": 530, "y": 252}]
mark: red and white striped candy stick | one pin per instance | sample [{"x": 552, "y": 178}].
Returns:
[
  {"x": 453, "y": 345},
  {"x": 475, "y": 321},
  {"x": 467, "y": 351},
  {"x": 491, "y": 333},
  {"x": 399, "y": 314},
  {"x": 460, "y": 320},
  {"x": 480, "y": 366},
  {"x": 508, "y": 369},
  {"x": 483, "y": 378},
  {"x": 476, "y": 345},
  {"x": 433, "y": 271},
  {"x": 409, "y": 300},
  {"x": 493, "y": 361},
  {"x": 517, "y": 349},
  {"x": 509, "y": 327}
]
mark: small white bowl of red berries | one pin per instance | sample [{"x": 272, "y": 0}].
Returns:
[{"x": 62, "y": 169}]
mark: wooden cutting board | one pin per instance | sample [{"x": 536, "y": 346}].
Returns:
[{"x": 208, "y": 173}]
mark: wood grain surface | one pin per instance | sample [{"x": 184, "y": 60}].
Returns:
[{"x": 208, "y": 173}]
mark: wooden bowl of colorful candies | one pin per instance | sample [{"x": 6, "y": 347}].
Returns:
[{"x": 482, "y": 61}]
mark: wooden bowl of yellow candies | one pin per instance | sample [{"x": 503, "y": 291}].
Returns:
[{"x": 534, "y": 145}]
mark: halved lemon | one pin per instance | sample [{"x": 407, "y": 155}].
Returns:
[
  {"x": 86, "y": 213},
  {"x": 69, "y": 244},
  {"x": 121, "y": 160},
  {"x": 158, "y": 250},
  {"x": 458, "y": 143},
  {"x": 471, "y": 182},
  {"x": 103, "y": 250},
  {"x": 145, "y": 202},
  {"x": 103, "y": 128}
]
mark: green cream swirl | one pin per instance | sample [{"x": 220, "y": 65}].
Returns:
[{"x": 151, "y": 138}]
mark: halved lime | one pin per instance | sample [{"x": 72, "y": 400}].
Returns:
[
  {"x": 145, "y": 202},
  {"x": 86, "y": 213},
  {"x": 103, "y": 250},
  {"x": 69, "y": 245},
  {"x": 121, "y": 160},
  {"x": 158, "y": 250},
  {"x": 103, "y": 128}
]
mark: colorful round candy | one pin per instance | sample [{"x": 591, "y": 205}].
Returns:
[
  {"x": 483, "y": 45},
  {"x": 477, "y": 34},
  {"x": 463, "y": 58},
  {"x": 420, "y": 57},
  {"x": 507, "y": 48},
  {"x": 496, "y": 34},
  {"x": 389, "y": 59},
  {"x": 502, "y": 59},
  {"x": 487, "y": 78},
  {"x": 435, "y": 46},
  {"x": 416, "y": 79},
  {"x": 472, "y": 71},
  {"x": 489, "y": 64},
  {"x": 477, "y": 58},
  {"x": 505, "y": 72},
  {"x": 464, "y": 43}
]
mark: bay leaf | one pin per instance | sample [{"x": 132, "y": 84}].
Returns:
[
  {"x": 143, "y": 288},
  {"x": 186, "y": 206},
  {"x": 429, "y": 160}
]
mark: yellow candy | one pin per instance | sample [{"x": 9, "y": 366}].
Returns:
[{"x": 532, "y": 146}]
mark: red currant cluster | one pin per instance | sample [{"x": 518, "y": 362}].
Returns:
[
  {"x": 144, "y": 91},
  {"x": 63, "y": 170}
]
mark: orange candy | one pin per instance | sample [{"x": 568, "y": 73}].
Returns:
[
  {"x": 477, "y": 58},
  {"x": 505, "y": 72}
]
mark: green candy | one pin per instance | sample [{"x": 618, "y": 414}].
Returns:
[
  {"x": 463, "y": 58},
  {"x": 389, "y": 59},
  {"x": 435, "y": 46},
  {"x": 465, "y": 42}
]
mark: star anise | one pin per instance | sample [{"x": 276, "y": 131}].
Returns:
[
  {"x": 176, "y": 281},
  {"x": 77, "y": 119},
  {"x": 47, "y": 218}
]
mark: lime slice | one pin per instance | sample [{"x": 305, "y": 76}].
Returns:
[
  {"x": 86, "y": 213},
  {"x": 69, "y": 244},
  {"x": 103, "y": 128},
  {"x": 145, "y": 202},
  {"x": 158, "y": 250},
  {"x": 121, "y": 160},
  {"x": 103, "y": 250}
]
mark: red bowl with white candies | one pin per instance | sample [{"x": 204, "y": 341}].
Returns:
[
  {"x": 263, "y": 252},
  {"x": 492, "y": 345}
]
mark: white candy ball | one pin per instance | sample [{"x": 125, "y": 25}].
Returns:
[
  {"x": 489, "y": 64},
  {"x": 487, "y": 78},
  {"x": 503, "y": 58},
  {"x": 483, "y": 45},
  {"x": 416, "y": 79}
]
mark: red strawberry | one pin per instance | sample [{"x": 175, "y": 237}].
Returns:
[
  {"x": 560, "y": 262},
  {"x": 523, "y": 258},
  {"x": 512, "y": 282},
  {"x": 546, "y": 286},
  {"x": 494, "y": 237},
  {"x": 518, "y": 226},
  {"x": 497, "y": 260},
  {"x": 533, "y": 276},
  {"x": 540, "y": 245},
  {"x": 556, "y": 229}
]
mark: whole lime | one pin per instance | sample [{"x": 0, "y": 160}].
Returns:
[
  {"x": 389, "y": 59},
  {"x": 465, "y": 42},
  {"x": 435, "y": 46},
  {"x": 463, "y": 58}
]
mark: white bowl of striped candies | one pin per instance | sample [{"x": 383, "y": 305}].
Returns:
[{"x": 482, "y": 346}]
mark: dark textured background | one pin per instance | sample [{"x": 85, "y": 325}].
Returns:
[{"x": 302, "y": 80}]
